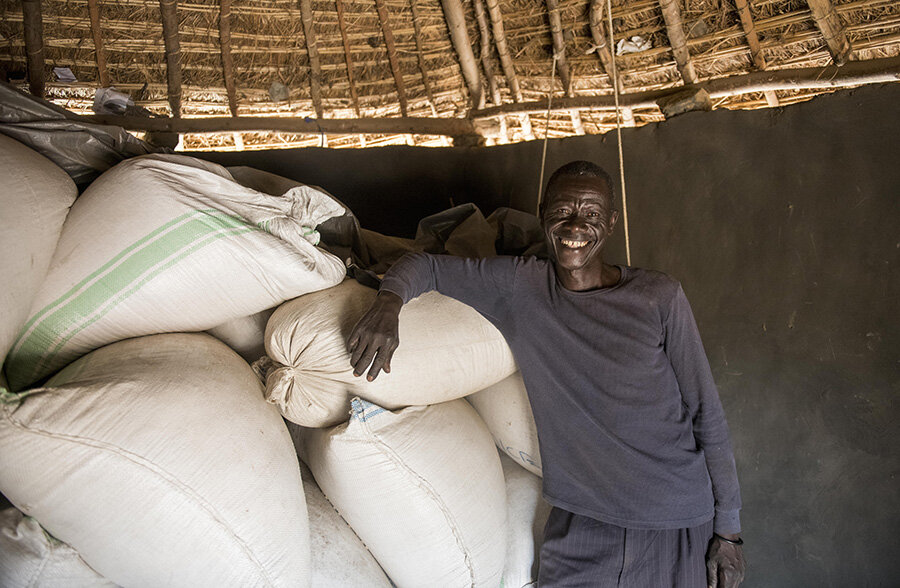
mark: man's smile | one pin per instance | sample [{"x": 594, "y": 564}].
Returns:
[{"x": 573, "y": 244}]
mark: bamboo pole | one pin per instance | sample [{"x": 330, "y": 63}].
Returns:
[
  {"x": 381, "y": 8},
  {"x": 99, "y": 51},
  {"x": 34, "y": 45},
  {"x": 455, "y": 17},
  {"x": 354, "y": 97},
  {"x": 602, "y": 46},
  {"x": 559, "y": 53},
  {"x": 420, "y": 57},
  {"x": 759, "y": 61},
  {"x": 678, "y": 41},
  {"x": 830, "y": 25},
  {"x": 487, "y": 63},
  {"x": 227, "y": 62},
  {"x": 312, "y": 51},
  {"x": 169, "y": 15},
  {"x": 506, "y": 62}
]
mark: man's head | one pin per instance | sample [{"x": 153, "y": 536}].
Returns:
[{"x": 578, "y": 216}]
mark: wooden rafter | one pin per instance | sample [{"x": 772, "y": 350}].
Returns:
[
  {"x": 312, "y": 51},
  {"x": 34, "y": 45},
  {"x": 420, "y": 57},
  {"x": 602, "y": 47},
  {"x": 167, "y": 9},
  {"x": 559, "y": 54},
  {"x": 678, "y": 41},
  {"x": 227, "y": 61},
  {"x": 749, "y": 27},
  {"x": 506, "y": 62},
  {"x": 381, "y": 8},
  {"x": 99, "y": 51},
  {"x": 455, "y": 17},
  {"x": 487, "y": 62},
  {"x": 354, "y": 97},
  {"x": 831, "y": 28}
]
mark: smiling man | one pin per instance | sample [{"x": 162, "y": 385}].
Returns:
[{"x": 637, "y": 461}]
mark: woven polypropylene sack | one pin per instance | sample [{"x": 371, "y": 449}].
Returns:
[
  {"x": 528, "y": 512},
  {"x": 159, "y": 461},
  {"x": 507, "y": 412},
  {"x": 246, "y": 334},
  {"x": 34, "y": 200},
  {"x": 168, "y": 243},
  {"x": 447, "y": 351},
  {"x": 422, "y": 487}
]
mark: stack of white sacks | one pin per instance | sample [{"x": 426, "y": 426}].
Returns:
[{"x": 139, "y": 451}]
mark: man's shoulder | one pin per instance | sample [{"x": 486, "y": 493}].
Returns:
[{"x": 652, "y": 280}]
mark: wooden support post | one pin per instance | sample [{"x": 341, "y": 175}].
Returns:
[
  {"x": 420, "y": 57},
  {"x": 455, "y": 16},
  {"x": 99, "y": 51},
  {"x": 602, "y": 47},
  {"x": 506, "y": 62},
  {"x": 167, "y": 9},
  {"x": 227, "y": 62},
  {"x": 34, "y": 45},
  {"x": 759, "y": 61},
  {"x": 675, "y": 30},
  {"x": 381, "y": 8},
  {"x": 354, "y": 97},
  {"x": 559, "y": 53},
  {"x": 312, "y": 51},
  {"x": 487, "y": 63},
  {"x": 831, "y": 28}
]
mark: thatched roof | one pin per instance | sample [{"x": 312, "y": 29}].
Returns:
[{"x": 379, "y": 58}]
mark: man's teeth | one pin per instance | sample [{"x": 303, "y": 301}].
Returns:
[{"x": 573, "y": 244}]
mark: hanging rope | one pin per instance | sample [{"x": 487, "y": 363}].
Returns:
[
  {"x": 546, "y": 134},
  {"x": 615, "y": 82}
]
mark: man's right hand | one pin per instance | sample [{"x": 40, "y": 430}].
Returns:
[{"x": 376, "y": 336}]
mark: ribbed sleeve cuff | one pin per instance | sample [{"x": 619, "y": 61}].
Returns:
[
  {"x": 394, "y": 287},
  {"x": 727, "y": 521}
]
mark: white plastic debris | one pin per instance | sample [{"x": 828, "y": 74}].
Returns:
[
  {"x": 64, "y": 74},
  {"x": 111, "y": 101},
  {"x": 635, "y": 44}
]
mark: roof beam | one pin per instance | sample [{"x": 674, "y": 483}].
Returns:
[
  {"x": 167, "y": 9},
  {"x": 678, "y": 41},
  {"x": 831, "y": 28},
  {"x": 225, "y": 49},
  {"x": 487, "y": 62},
  {"x": 506, "y": 62},
  {"x": 312, "y": 51},
  {"x": 759, "y": 61},
  {"x": 381, "y": 8},
  {"x": 456, "y": 23},
  {"x": 354, "y": 97},
  {"x": 602, "y": 47},
  {"x": 854, "y": 73},
  {"x": 559, "y": 54},
  {"x": 420, "y": 57},
  {"x": 99, "y": 51},
  {"x": 34, "y": 45}
]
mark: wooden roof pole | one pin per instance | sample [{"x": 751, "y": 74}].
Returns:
[
  {"x": 34, "y": 45},
  {"x": 675, "y": 30},
  {"x": 759, "y": 61},
  {"x": 354, "y": 97},
  {"x": 167, "y": 9},
  {"x": 225, "y": 48},
  {"x": 99, "y": 51},
  {"x": 312, "y": 51},
  {"x": 456, "y": 23},
  {"x": 506, "y": 62},
  {"x": 487, "y": 63},
  {"x": 420, "y": 57},
  {"x": 381, "y": 8},
  {"x": 604, "y": 53},
  {"x": 831, "y": 28},
  {"x": 559, "y": 52}
]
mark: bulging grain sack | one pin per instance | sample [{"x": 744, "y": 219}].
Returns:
[
  {"x": 34, "y": 200},
  {"x": 447, "y": 350},
  {"x": 158, "y": 460},
  {"x": 339, "y": 557},
  {"x": 528, "y": 512},
  {"x": 246, "y": 335},
  {"x": 422, "y": 487},
  {"x": 168, "y": 243},
  {"x": 507, "y": 413},
  {"x": 29, "y": 557}
]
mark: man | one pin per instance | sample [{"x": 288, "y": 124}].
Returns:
[{"x": 637, "y": 462}]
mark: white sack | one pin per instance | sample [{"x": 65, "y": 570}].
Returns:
[
  {"x": 245, "y": 334},
  {"x": 507, "y": 412},
  {"x": 168, "y": 243},
  {"x": 447, "y": 350},
  {"x": 158, "y": 460},
  {"x": 422, "y": 487},
  {"x": 34, "y": 199},
  {"x": 30, "y": 558},
  {"x": 528, "y": 512}
]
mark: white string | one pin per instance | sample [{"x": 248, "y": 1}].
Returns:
[
  {"x": 615, "y": 81},
  {"x": 546, "y": 133}
]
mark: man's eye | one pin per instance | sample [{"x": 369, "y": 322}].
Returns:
[{"x": 593, "y": 214}]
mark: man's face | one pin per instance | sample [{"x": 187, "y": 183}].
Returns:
[{"x": 578, "y": 217}]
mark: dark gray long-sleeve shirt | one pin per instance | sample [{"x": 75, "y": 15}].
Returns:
[{"x": 630, "y": 424}]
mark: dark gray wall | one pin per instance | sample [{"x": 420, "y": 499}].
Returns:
[{"x": 783, "y": 227}]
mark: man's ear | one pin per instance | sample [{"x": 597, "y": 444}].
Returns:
[{"x": 613, "y": 217}]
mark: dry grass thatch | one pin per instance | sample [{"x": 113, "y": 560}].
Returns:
[{"x": 268, "y": 46}]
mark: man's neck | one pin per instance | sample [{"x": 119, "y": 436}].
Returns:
[{"x": 582, "y": 280}]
